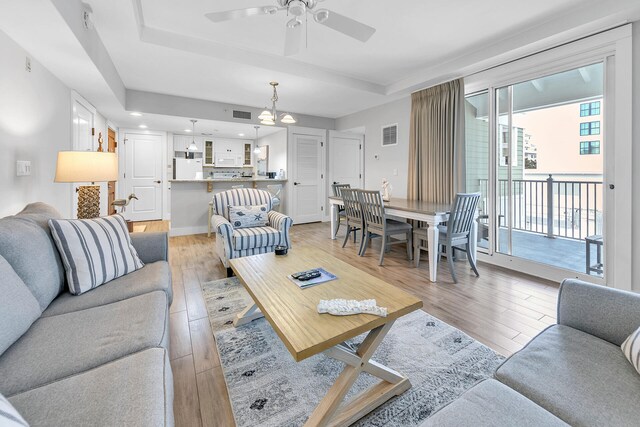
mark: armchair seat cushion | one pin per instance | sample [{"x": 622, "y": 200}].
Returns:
[{"x": 255, "y": 237}]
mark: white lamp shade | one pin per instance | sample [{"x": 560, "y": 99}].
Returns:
[
  {"x": 288, "y": 119},
  {"x": 266, "y": 115},
  {"x": 269, "y": 122},
  {"x": 86, "y": 166}
]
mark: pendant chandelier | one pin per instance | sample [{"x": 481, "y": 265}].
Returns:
[
  {"x": 193, "y": 146},
  {"x": 270, "y": 117},
  {"x": 256, "y": 149}
]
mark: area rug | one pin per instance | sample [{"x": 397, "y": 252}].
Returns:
[{"x": 268, "y": 388}]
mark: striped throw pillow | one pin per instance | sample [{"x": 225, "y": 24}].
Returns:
[
  {"x": 9, "y": 417},
  {"x": 249, "y": 216},
  {"x": 94, "y": 251},
  {"x": 631, "y": 349}
]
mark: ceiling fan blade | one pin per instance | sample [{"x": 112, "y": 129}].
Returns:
[
  {"x": 348, "y": 26},
  {"x": 240, "y": 13},
  {"x": 292, "y": 40}
]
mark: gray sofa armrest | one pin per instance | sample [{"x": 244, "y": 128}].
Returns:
[
  {"x": 607, "y": 313},
  {"x": 151, "y": 247}
]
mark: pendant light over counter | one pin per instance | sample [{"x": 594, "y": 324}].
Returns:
[{"x": 193, "y": 146}]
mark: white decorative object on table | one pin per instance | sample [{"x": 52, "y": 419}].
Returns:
[
  {"x": 343, "y": 307},
  {"x": 386, "y": 190}
]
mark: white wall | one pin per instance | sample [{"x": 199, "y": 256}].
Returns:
[
  {"x": 277, "y": 143},
  {"x": 389, "y": 158},
  {"x": 35, "y": 123},
  {"x": 636, "y": 159}
]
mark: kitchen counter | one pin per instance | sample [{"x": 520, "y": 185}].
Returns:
[{"x": 189, "y": 200}]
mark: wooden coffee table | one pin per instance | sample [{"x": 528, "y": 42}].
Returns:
[{"x": 292, "y": 313}]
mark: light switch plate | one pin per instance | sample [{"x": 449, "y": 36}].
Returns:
[{"x": 23, "y": 168}]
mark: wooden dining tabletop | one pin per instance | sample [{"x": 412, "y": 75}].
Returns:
[{"x": 417, "y": 206}]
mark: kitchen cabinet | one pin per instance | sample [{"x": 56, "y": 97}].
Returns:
[
  {"x": 181, "y": 142},
  {"x": 246, "y": 159},
  {"x": 208, "y": 153}
]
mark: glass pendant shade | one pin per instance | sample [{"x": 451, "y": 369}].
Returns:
[
  {"x": 265, "y": 115},
  {"x": 288, "y": 119},
  {"x": 268, "y": 122}
]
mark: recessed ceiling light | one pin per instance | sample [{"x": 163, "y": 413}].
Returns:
[
  {"x": 241, "y": 134},
  {"x": 136, "y": 114},
  {"x": 187, "y": 130},
  {"x": 142, "y": 126}
]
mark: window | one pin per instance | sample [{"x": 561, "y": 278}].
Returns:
[
  {"x": 589, "y": 147},
  {"x": 590, "y": 109},
  {"x": 590, "y": 128}
]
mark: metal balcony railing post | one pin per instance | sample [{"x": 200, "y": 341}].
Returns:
[{"x": 550, "y": 207}]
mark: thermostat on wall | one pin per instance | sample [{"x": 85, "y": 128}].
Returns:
[{"x": 23, "y": 168}]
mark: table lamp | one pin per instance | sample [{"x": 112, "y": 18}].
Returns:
[{"x": 87, "y": 166}]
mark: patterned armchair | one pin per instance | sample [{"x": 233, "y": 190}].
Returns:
[{"x": 238, "y": 242}]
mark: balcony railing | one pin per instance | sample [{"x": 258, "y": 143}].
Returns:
[{"x": 570, "y": 209}]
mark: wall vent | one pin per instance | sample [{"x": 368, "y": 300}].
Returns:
[
  {"x": 390, "y": 135},
  {"x": 242, "y": 115}
]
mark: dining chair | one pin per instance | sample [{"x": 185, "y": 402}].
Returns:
[
  {"x": 353, "y": 215},
  {"x": 457, "y": 231},
  {"x": 336, "y": 189},
  {"x": 275, "y": 191},
  {"x": 377, "y": 223},
  {"x": 419, "y": 243}
]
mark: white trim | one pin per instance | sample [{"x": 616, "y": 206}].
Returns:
[{"x": 186, "y": 231}]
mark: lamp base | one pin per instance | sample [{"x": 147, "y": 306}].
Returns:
[{"x": 88, "y": 201}]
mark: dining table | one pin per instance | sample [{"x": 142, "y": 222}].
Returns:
[{"x": 430, "y": 213}]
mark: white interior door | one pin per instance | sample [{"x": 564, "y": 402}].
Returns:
[
  {"x": 83, "y": 116},
  {"x": 143, "y": 176},
  {"x": 308, "y": 178},
  {"x": 345, "y": 158}
]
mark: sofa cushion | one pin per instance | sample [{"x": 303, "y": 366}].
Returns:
[
  {"x": 18, "y": 307},
  {"x": 631, "y": 349},
  {"x": 152, "y": 277},
  {"x": 255, "y": 237},
  {"x": 30, "y": 250},
  {"x": 94, "y": 251},
  {"x": 248, "y": 216},
  {"x": 9, "y": 417},
  {"x": 136, "y": 390},
  {"x": 492, "y": 404},
  {"x": 581, "y": 379},
  {"x": 56, "y": 347}
]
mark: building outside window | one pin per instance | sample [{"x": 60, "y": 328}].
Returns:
[
  {"x": 589, "y": 147},
  {"x": 590, "y": 128},
  {"x": 590, "y": 109}
]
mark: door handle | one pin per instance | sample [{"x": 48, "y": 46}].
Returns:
[
  {"x": 296, "y": 183},
  {"x": 158, "y": 182}
]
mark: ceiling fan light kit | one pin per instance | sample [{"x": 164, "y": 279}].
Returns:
[{"x": 297, "y": 9}]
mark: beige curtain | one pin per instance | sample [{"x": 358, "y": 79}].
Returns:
[{"x": 436, "y": 143}]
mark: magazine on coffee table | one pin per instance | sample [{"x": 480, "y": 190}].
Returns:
[{"x": 325, "y": 276}]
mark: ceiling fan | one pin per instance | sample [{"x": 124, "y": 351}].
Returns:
[{"x": 297, "y": 9}]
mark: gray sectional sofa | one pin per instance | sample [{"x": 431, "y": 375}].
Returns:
[
  {"x": 571, "y": 373},
  {"x": 100, "y": 358}
]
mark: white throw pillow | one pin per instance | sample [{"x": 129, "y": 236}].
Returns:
[
  {"x": 248, "y": 216},
  {"x": 631, "y": 349},
  {"x": 94, "y": 251},
  {"x": 9, "y": 417}
]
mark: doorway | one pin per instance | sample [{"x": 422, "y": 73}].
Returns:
[
  {"x": 143, "y": 175},
  {"x": 306, "y": 159},
  {"x": 111, "y": 185},
  {"x": 346, "y": 158},
  {"x": 535, "y": 151}
]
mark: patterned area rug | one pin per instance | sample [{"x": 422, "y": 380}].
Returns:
[{"x": 268, "y": 388}]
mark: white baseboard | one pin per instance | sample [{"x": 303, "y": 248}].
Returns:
[{"x": 185, "y": 231}]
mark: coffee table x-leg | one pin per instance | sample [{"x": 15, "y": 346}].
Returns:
[{"x": 329, "y": 412}]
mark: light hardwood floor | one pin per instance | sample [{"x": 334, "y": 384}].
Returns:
[{"x": 501, "y": 308}]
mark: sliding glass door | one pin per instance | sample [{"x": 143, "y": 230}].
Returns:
[{"x": 542, "y": 180}]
